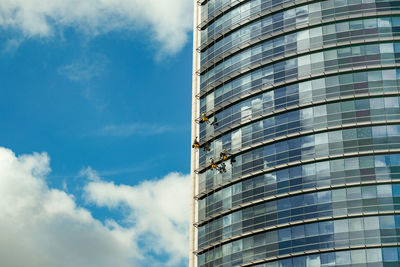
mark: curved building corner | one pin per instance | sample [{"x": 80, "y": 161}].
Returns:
[{"x": 296, "y": 133}]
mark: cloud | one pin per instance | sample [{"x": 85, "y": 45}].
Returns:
[
  {"x": 45, "y": 227},
  {"x": 85, "y": 69},
  {"x": 159, "y": 210},
  {"x": 12, "y": 45},
  {"x": 129, "y": 129},
  {"x": 168, "y": 21}
]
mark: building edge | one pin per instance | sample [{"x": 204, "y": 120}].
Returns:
[{"x": 194, "y": 134}]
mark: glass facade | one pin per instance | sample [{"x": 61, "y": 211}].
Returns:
[{"x": 296, "y": 160}]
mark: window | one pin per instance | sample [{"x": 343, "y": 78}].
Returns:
[
  {"x": 342, "y": 27},
  {"x": 341, "y": 226},
  {"x": 343, "y": 257},
  {"x": 328, "y": 259},
  {"x": 358, "y": 256},
  {"x": 317, "y": 58},
  {"x": 384, "y": 190},
  {"x": 386, "y": 48},
  {"x": 321, "y": 139},
  {"x": 353, "y": 193},
  {"x": 324, "y": 197},
  {"x": 356, "y": 224},
  {"x": 337, "y": 165},
  {"x": 370, "y": 23},
  {"x": 284, "y": 234},
  {"x": 346, "y": 79},
  {"x": 368, "y": 192},
  {"x": 372, "y": 50},
  {"x": 384, "y": 22},
  {"x": 366, "y": 162},
  {"x": 390, "y": 254},
  {"x": 310, "y": 199},
  {"x": 313, "y": 261},
  {"x": 325, "y": 227},
  {"x": 348, "y": 106},
  {"x": 379, "y": 131},
  {"x": 356, "y": 24},
  {"x": 351, "y": 163},
  {"x": 330, "y": 55},
  {"x": 389, "y": 75},
  {"x": 371, "y": 223},
  {"x": 377, "y": 103},
  {"x": 396, "y": 190},
  {"x": 362, "y": 104},
  {"x": 322, "y": 167},
  {"x": 387, "y": 222},
  {"x": 298, "y": 232},
  {"x": 304, "y": 60},
  {"x": 395, "y": 159},
  {"x": 374, "y": 255},
  {"x": 316, "y": 32},
  {"x": 360, "y": 77},
  {"x": 364, "y": 133},
  {"x": 311, "y": 229},
  {"x": 391, "y": 102},
  {"x": 350, "y": 134},
  {"x": 237, "y": 246}
]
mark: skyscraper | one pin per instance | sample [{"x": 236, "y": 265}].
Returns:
[{"x": 296, "y": 129}]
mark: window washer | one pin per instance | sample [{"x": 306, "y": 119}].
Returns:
[
  {"x": 224, "y": 155},
  {"x": 195, "y": 143},
  {"x": 213, "y": 164},
  {"x": 203, "y": 117}
]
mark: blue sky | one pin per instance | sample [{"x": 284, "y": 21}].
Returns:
[{"x": 95, "y": 102}]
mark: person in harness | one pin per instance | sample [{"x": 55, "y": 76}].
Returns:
[
  {"x": 224, "y": 155},
  {"x": 195, "y": 143},
  {"x": 203, "y": 117},
  {"x": 213, "y": 164}
]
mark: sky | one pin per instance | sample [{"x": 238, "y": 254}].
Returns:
[{"x": 95, "y": 102}]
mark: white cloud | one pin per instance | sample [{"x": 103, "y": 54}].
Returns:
[
  {"x": 159, "y": 210},
  {"x": 40, "y": 226},
  {"x": 86, "y": 69},
  {"x": 129, "y": 129},
  {"x": 168, "y": 21}
]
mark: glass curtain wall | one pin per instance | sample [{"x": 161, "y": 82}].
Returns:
[{"x": 297, "y": 154}]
